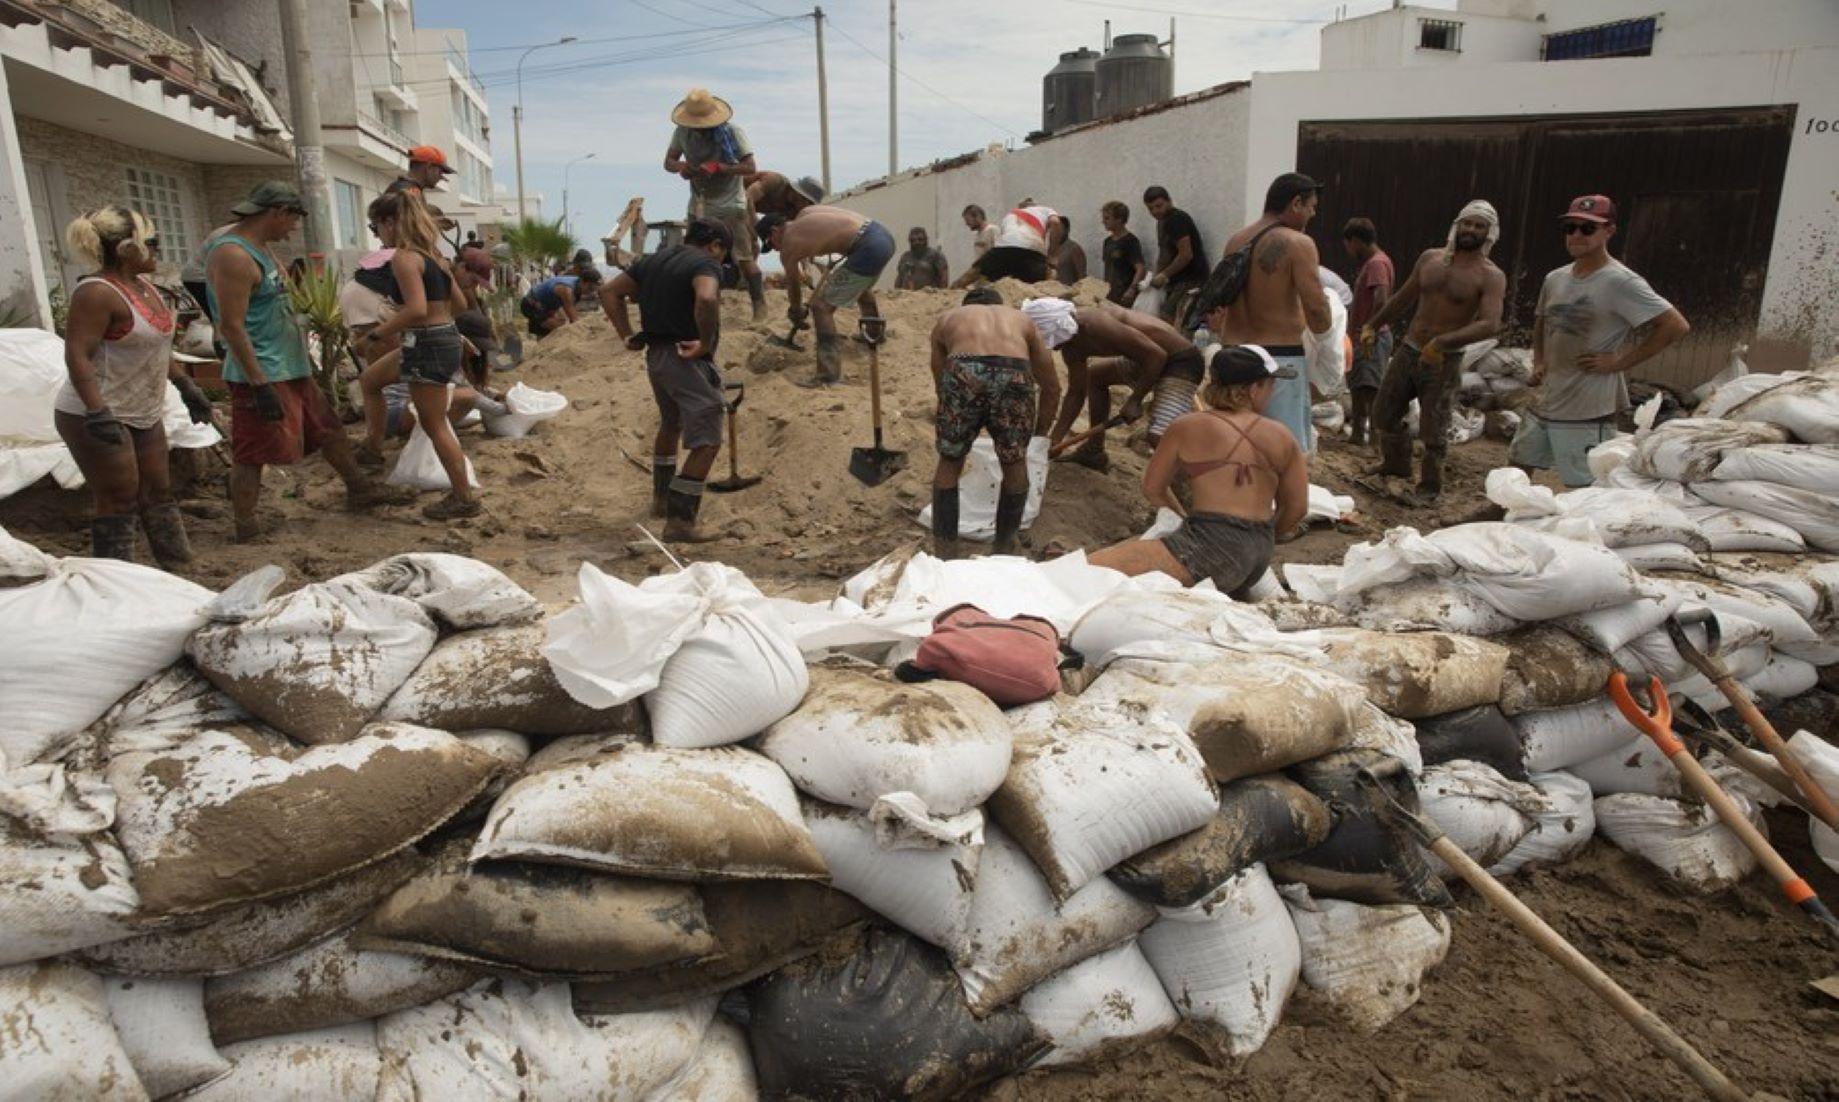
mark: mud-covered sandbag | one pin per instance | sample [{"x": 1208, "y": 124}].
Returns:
[
  {"x": 1104, "y": 783},
  {"x": 1636, "y": 766},
  {"x": 498, "y": 677},
  {"x": 1550, "y": 668},
  {"x": 1482, "y": 812},
  {"x": 1808, "y": 583},
  {"x": 538, "y": 918},
  {"x": 1525, "y": 574},
  {"x": 1260, "y": 819},
  {"x": 1480, "y": 734},
  {"x": 1272, "y": 713},
  {"x": 1396, "y": 738},
  {"x": 759, "y": 926},
  {"x": 1684, "y": 839},
  {"x": 1367, "y": 963},
  {"x": 164, "y": 710},
  {"x": 460, "y": 593},
  {"x": 618, "y": 805},
  {"x": 1367, "y": 857},
  {"x": 1559, "y": 738},
  {"x": 1560, "y": 832},
  {"x": 1610, "y": 629},
  {"x": 1419, "y": 674},
  {"x": 1783, "y": 625},
  {"x": 162, "y": 1027},
  {"x": 57, "y": 1040},
  {"x": 1821, "y": 758},
  {"x": 1019, "y": 935},
  {"x": 884, "y": 1019},
  {"x": 1808, "y": 466},
  {"x": 1428, "y": 604},
  {"x": 1813, "y": 514},
  {"x": 1651, "y": 557},
  {"x": 1688, "y": 449},
  {"x": 236, "y": 815},
  {"x": 721, "y": 1072},
  {"x": 340, "y": 1063},
  {"x": 60, "y": 893},
  {"x": 250, "y": 934},
  {"x": 1734, "y": 530},
  {"x": 1231, "y": 959},
  {"x": 1783, "y": 678},
  {"x": 858, "y": 736},
  {"x": 328, "y": 984},
  {"x": 1807, "y": 406},
  {"x": 925, "y": 890},
  {"x": 1100, "y": 1006},
  {"x": 316, "y": 663}
]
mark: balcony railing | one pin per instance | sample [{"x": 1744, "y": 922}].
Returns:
[{"x": 382, "y": 131}]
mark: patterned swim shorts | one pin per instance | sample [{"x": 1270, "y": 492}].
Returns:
[{"x": 993, "y": 392}]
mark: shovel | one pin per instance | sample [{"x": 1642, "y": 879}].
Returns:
[
  {"x": 1071, "y": 442},
  {"x": 873, "y": 466},
  {"x": 734, "y": 482},
  {"x": 790, "y": 340}
]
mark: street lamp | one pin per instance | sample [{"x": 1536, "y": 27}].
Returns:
[
  {"x": 517, "y": 116},
  {"x": 565, "y": 169}
]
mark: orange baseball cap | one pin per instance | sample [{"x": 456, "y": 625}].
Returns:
[{"x": 430, "y": 155}]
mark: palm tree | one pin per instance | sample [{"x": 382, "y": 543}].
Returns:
[{"x": 537, "y": 243}]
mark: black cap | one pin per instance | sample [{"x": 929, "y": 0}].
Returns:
[
  {"x": 704, "y": 230},
  {"x": 1238, "y": 364},
  {"x": 764, "y": 229}
]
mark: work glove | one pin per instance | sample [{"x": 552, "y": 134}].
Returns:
[
  {"x": 268, "y": 403},
  {"x": 1431, "y": 355},
  {"x": 1368, "y": 338},
  {"x": 195, "y": 401},
  {"x": 102, "y": 425}
]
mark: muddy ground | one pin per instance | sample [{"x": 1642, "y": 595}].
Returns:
[{"x": 1496, "y": 1020}]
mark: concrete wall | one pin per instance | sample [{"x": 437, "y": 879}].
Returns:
[
  {"x": 251, "y": 31},
  {"x": 23, "y": 285},
  {"x": 1708, "y": 26},
  {"x": 1799, "y": 315},
  {"x": 1389, "y": 39}
]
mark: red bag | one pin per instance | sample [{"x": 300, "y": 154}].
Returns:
[{"x": 1013, "y": 662}]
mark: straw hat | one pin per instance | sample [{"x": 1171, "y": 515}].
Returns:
[{"x": 701, "y": 110}]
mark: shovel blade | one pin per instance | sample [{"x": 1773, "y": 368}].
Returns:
[
  {"x": 778, "y": 341},
  {"x": 873, "y": 466},
  {"x": 734, "y": 485}
]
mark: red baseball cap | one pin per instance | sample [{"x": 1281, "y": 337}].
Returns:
[
  {"x": 1592, "y": 208},
  {"x": 430, "y": 155}
]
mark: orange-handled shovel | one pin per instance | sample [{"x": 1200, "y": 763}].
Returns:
[{"x": 1658, "y": 726}]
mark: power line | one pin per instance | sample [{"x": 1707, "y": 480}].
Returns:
[
  {"x": 859, "y": 45},
  {"x": 1197, "y": 14},
  {"x": 592, "y": 41},
  {"x": 667, "y": 15}
]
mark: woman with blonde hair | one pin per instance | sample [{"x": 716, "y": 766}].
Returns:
[
  {"x": 431, "y": 346},
  {"x": 118, "y": 351},
  {"x": 1247, "y": 473}
]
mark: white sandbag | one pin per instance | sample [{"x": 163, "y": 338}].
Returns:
[
  {"x": 620, "y": 805},
  {"x": 328, "y": 1064},
  {"x": 1560, "y": 831},
  {"x": 1100, "y": 1005},
  {"x": 1808, "y": 583},
  {"x": 981, "y": 483},
  {"x": 1744, "y": 645},
  {"x": 58, "y": 1041},
  {"x": 1610, "y": 629},
  {"x": 1738, "y": 389},
  {"x": 498, "y": 678},
  {"x": 460, "y": 593},
  {"x": 1609, "y": 455},
  {"x": 525, "y": 408},
  {"x": 1326, "y": 353},
  {"x": 1783, "y": 625},
  {"x": 1620, "y": 518},
  {"x": 1684, "y": 839},
  {"x": 75, "y": 641},
  {"x": 514, "y": 1040},
  {"x": 1734, "y": 369},
  {"x": 1807, "y": 406},
  {"x": 1484, "y": 813},
  {"x": 419, "y": 467},
  {"x": 923, "y": 890},
  {"x": 316, "y": 663},
  {"x": 165, "y": 710},
  {"x": 1784, "y": 678},
  {"x": 237, "y": 815},
  {"x": 1812, "y": 467},
  {"x": 1018, "y": 935},
  {"x": 721, "y": 1072},
  {"x": 1741, "y": 530},
  {"x": 1420, "y": 674},
  {"x": 1636, "y": 766},
  {"x": 1131, "y": 617},
  {"x": 1689, "y": 449},
  {"x": 53, "y": 799},
  {"x": 1232, "y": 959},
  {"x": 1814, "y": 515},
  {"x": 1821, "y": 760},
  {"x": 1367, "y": 963},
  {"x": 31, "y": 372},
  {"x": 1428, "y": 604},
  {"x": 162, "y": 1028},
  {"x": 859, "y": 736},
  {"x": 1559, "y": 738},
  {"x": 59, "y": 893},
  {"x": 1650, "y": 557},
  {"x": 1105, "y": 783},
  {"x": 732, "y": 678},
  {"x": 1526, "y": 575}
]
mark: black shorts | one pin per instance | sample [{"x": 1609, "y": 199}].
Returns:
[
  {"x": 431, "y": 355},
  {"x": 1186, "y": 364},
  {"x": 1233, "y": 551},
  {"x": 1008, "y": 261},
  {"x": 536, "y": 315}
]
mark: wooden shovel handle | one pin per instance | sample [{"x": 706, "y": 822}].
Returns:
[{"x": 1818, "y": 801}]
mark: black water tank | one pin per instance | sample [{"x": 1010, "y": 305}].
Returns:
[
  {"x": 1133, "y": 73},
  {"x": 1068, "y": 90}
]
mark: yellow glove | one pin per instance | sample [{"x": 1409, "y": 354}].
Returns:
[
  {"x": 1368, "y": 338},
  {"x": 1432, "y": 354}
]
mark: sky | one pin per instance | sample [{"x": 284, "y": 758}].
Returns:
[{"x": 970, "y": 70}]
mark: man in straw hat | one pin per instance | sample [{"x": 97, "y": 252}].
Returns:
[
  {"x": 713, "y": 155},
  {"x": 1459, "y": 293},
  {"x": 865, "y": 245}
]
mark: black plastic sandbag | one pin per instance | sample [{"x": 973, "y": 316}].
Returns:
[
  {"x": 1482, "y": 734},
  {"x": 879, "y": 1016},
  {"x": 1261, "y": 818},
  {"x": 1366, "y": 859}
]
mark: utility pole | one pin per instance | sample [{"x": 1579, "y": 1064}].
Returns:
[
  {"x": 517, "y": 115},
  {"x": 893, "y": 93},
  {"x": 309, "y": 152},
  {"x": 823, "y": 97}
]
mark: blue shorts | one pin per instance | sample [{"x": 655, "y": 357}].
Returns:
[
  {"x": 1564, "y": 445},
  {"x": 856, "y": 276}
]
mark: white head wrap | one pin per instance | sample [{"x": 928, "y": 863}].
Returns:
[
  {"x": 1484, "y": 210},
  {"x": 1053, "y": 317}
]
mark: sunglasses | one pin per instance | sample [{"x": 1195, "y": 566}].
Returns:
[
  {"x": 153, "y": 242},
  {"x": 1588, "y": 229}
]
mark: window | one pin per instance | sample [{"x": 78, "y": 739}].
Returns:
[
  {"x": 1626, "y": 38},
  {"x": 157, "y": 196},
  {"x": 1440, "y": 34},
  {"x": 351, "y": 224}
]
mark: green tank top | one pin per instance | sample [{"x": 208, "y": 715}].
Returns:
[{"x": 280, "y": 347}]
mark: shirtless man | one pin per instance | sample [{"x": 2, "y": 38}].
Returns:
[
  {"x": 991, "y": 369},
  {"x": 866, "y": 247},
  {"x": 1461, "y": 293},
  {"x": 776, "y": 193},
  {"x": 1112, "y": 346},
  {"x": 1282, "y": 293}
]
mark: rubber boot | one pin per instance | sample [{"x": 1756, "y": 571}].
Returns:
[
  {"x": 663, "y": 470},
  {"x": 165, "y": 529},
  {"x": 1394, "y": 455},
  {"x": 756, "y": 291},
  {"x": 1009, "y": 521},
  {"x": 829, "y": 360},
  {"x": 1430, "y": 479},
  {"x": 112, "y": 537},
  {"x": 682, "y": 502},
  {"x": 945, "y": 523}
]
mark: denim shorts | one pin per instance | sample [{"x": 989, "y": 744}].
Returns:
[{"x": 431, "y": 354}]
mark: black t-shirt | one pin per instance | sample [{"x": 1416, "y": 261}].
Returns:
[
  {"x": 1169, "y": 233},
  {"x": 1122, "y": 255},
  {"x": 667, "y": 291}
]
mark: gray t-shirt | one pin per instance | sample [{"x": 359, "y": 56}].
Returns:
[
  {"x": 717, "y": 194},
  {"x": 1596, "y": 313}
]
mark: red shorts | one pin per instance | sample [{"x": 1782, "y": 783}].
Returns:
[{"x": 306, "y": 421}]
